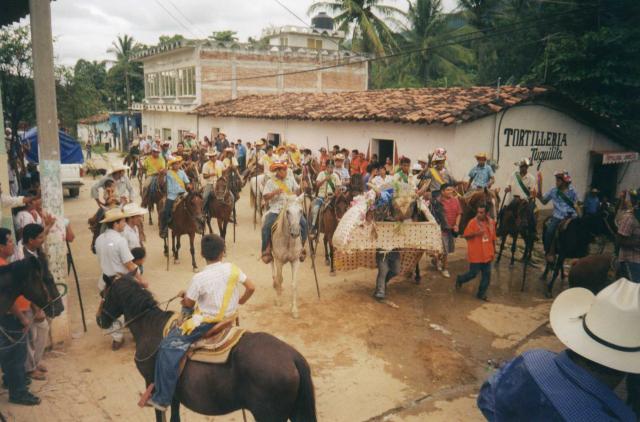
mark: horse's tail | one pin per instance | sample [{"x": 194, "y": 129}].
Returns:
[{"x": 305, "y": 405}]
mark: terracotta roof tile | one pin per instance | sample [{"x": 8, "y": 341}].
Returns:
[{"x": 421, "y": 105}]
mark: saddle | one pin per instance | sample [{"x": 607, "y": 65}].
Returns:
[{"x": 177, "y": 202}]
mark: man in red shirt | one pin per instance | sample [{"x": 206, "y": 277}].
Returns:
[
  {"x": 354, "y": 167},
  {"x": 481, "y": 236},
  {"x": 452, "y": 214}
]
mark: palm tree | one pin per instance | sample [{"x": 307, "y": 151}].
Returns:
[
  {"x": 428, "y": 27},
  {"x": 123, "y": 48},
  {"x": 366, "y": 20}
]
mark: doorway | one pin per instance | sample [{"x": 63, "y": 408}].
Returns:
[
  {"x": 384, "y": 148},
  {"x": 273, "y": 139},
  {"x": 605, "y": 178}
]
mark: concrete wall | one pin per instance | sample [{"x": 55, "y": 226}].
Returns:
[
  {"x": 167, "y": 120},
  {"x": 461, "y": 141}
]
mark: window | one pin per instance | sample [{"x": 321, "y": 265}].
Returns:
[
  {"x": 186, "y": 82},
  {"x": 152, "y": 87},
  {"x": 314, "y": 44},
  {"x": 284, "y": 41},
  {"x": 166, "y": 134},
  {"x": 168, "y": 83},
  {"x": 273, "y": 139}
]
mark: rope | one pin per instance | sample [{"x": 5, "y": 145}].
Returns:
[{"x": 127, "y": 323}]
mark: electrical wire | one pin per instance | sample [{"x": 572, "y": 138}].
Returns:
[
  {"x": 202, "y": 33},
  {"x": 176, "y": 19}
]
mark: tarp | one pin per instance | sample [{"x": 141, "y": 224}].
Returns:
[{"x": 70, "y": 149}]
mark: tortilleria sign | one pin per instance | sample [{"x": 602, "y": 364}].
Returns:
[{"x": 543, "y": 145}]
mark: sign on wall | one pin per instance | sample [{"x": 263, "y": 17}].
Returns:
[{"x": 542, "y": 146}]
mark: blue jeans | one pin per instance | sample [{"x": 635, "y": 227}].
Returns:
[
  {"x": 172, "y": 350},
  {"x": 166, "y": 214},
  {"x": 388, "y": 267},
  {"x": 474, "y": 269},
  {"x": 271, "y": 218},
  {"x": 550, "y": 232},
  {"x": 629, "y": 270},
  {"x": 315, "y": 210},
  {"x": 13, "y": 355}
]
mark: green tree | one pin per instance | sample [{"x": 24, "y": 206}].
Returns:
[
  {"x": 124, "y": 48},
  {"x": 168, "y": 39},
  {"x": 367, "y": 21},
  {"x": 224, "y": 36}
]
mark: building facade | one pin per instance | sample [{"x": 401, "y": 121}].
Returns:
[{"x": 508, "y": 125}]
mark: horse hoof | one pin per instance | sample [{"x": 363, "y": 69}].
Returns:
[
  {"x": 165, "y": 253},
  {"x": 195, "y": 269},
  {"x": 295, "y": 314},
  {"x": 176, "y": 261},
  {"x": 548, "y": 294},
  {"x": 332, "y": 273}
]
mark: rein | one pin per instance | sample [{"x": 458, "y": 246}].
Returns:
[{"x": 135, "y": 318}]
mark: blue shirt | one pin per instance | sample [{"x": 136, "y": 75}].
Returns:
[
  {"x": 542, "y": 386},
  {"x": 591, "y": 204},
  {"x": 173, "y": 187},
  {"x": 242, "y": 151},
  {"x": 561, "y": 209},
  {"x": 481, "y": 176}
]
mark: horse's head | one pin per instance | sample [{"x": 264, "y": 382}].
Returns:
[
  {"x": 293, "y": 214},
  {"x": 195, "y": 203},
  {"x": 125, "y": 296},
  {"x": 24, "y": 277},
  {"x": 342, "y": 203},
  {"x": 221, "y": 187}
]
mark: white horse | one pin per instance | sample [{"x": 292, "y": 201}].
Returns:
[
  {"x": 286, "y": 246},
  {"x": 256, "y": 195}
]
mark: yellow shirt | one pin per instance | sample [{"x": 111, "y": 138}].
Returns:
[{"x": 153, "y": 165}]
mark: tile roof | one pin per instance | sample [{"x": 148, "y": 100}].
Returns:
[
  {"x": 420, "y": 105},
  {"x": 96, "y": 118}
]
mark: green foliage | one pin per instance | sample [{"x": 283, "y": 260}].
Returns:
[
  {"x": 168, "y": 39},
  {"x": 224, "y": 36}
]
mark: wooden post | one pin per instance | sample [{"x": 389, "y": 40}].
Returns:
[
  {"x": 49, "y": 149},
  {"x": 7, "y": 221}
]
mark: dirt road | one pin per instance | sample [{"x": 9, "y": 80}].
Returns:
[{"x": 424, "y": 360}]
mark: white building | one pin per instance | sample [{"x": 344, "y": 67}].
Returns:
[{"x": 508, "y": 124}]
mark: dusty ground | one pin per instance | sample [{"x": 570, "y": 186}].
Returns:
[{"x": 423, "y": 361}]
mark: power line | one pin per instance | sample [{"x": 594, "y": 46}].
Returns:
[
  {"x": 176, "y": 19},
  {"x": 464, "y": 39},
  {"x": 187, "y": 19}
]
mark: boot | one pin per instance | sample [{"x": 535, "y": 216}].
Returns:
[{"x": 266, "y": 255}]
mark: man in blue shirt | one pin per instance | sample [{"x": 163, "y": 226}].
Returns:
[
  {"x": 592, "y": 202},
  {"x": 481, "y": 176},
  {"x": 241, "y": 154},
  {"x": 565, "y": 200},
  {"x": 603, "y": 340},
  {"x": 177, "y": 184}
]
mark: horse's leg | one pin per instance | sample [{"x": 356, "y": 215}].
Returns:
[
  {"x": 276, "y": 272},
  {"x": 294, "y": 288},
  {"x": 174, "y": 251},
  {"x": 513, "y": 248},
  {"x": 192, "y": 249},
  {"x": 525, "y": 261},
  {"x": 418, "y": 277},
  {"x": 150, "y": 208},
  {"x": 547, "y": 265},
  {"x": 175, "y": 410},
  {"x": 325, "y": 242},
  {"x": 556, "y": 270},
  {"x": 166, "y": 246},
  {"x": 502, "y": 242},
  {"x": 161, "y": 416},
  {"x": 209, "y": 224},
  {"x": 331, "y": 263}
]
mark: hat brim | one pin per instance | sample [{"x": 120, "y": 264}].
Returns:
[
  {"x": 112, "y": 219},
  {"x": 116, "y": 170},
  {"x": 566, "y": 320},
  {"x": 139, "y": 211}
]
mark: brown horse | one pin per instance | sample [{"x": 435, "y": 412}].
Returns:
[
  {"x": 264, "y": 375},
  {"x": 150, "y": 201},
  {"x": 220, "y": 206},
  {"x": 186, "y": 219},
  {"x": 25, "y": 277},
  {"x": 328, "y": 220}
]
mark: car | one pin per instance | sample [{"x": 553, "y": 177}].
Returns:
[{"x": 71, "y": 178}]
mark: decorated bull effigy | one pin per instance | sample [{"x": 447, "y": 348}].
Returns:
[{"x": 359, "y": 235}]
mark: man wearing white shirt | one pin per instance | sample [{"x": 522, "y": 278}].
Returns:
[
  {"x": 521, "y": 183},
  {"x": 211, "y": 171},
  {"x": 133, "y": 217},
  {"x": 382, "y": 181},
  {"x": 327, "y": 182}
]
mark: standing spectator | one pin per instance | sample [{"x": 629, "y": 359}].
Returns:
[
  {"x": 629, "y": 240},
  {"x": 133, "y": 217},
  {"x": 322, "y": 159},
  {"x": 481, "y": 236},
  {"x": 8, "y": 201},
  {"x": 251, "y": 152},
  {"x": 592, "y": 203},
  {"x": 29, "y": 215},
  {"x": 88, "y": 147},
  {"x": 354, "y": 164},
  {"x": 241, "y": 153},
  {"x": 452, "y": 213}
]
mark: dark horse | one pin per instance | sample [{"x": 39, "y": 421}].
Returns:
[
  {"x": 330, "y": 215},
  {"x": 516, "y": 220},
  {"x": 25, "y": 277},
  {"x": 570, "y": 242},
  {"x": 220, "y": 206},
  {"x": 186, "y": 219},
  {"x": 263, "y": 374}
]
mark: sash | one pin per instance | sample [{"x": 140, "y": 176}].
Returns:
[
  {"x": 197, "y": 318},
  {"x": 566, "y": 200},
  {"x": 279, "y": 183},
  {"x": 156, "y": 165},
  {"x": 177, "y": 179},
  {"x": 331, "y": 184},
  {"x": 404, "y": 177},
  {"x": 522, "y": 186},
  {"x": 436, "y": 175}
]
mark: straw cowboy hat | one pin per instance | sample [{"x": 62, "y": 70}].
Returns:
[
  {"x": 174, "y": 160},
  {"x": 339, "y": 156},
  {"x": 131, "y": 210},
  {"x": 117, "y": 168},
  {"x": 229, "y": 149},
  {"x": 603, "y": 328},
  {"x": 277, "y": 166},
  {"x": 416, "y": 167},
  {"x": 135, "y": 143},
  {"x": 166, "y": 143},
  {"x": 523, "y": 162},
  {"x": 481, "y": 155},
  {"x": 260, "y": 142},
  {"x": 292, "y": 147},
  {"x": 114, "y": 214},
  {"x": 281, "y": 148},
  {"x": 211, "y": 153}
]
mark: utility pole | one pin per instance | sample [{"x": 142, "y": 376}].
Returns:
[{"x": 49, "y": 147}]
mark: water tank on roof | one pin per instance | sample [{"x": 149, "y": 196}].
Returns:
[{"x": 322, "y": 21}]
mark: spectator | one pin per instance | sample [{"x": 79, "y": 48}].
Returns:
[
  {"x": 241, "y": 154},
  {"x": 29, "y": 215},
  {"x": 452, "y": 213},
  {"x": 139, "y": 255},
  {"x": 88, "y": 146},
  {"x": 629, "y": 240},
  {"x": 481, "y": 236}
]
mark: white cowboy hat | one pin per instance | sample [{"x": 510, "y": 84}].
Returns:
[
  {"x": 259, "y": 142},
  {"x": 339, "y": 156},
  {"x": 155, "y": 148},
  {"x": 523, "y": 162},
  {"x": 211, "y": 153},
  {"x": 416, "y": 167},
  {"x": 135, "y": 143},
  {"x": 131, "y": 210},
  {"x": 114, "y": 214},
  {"x": 603, "y": 328},
  {"x": 117, "y": 168}
]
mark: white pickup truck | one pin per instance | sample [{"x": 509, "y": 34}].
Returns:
[{"x": 71, "y": 177}]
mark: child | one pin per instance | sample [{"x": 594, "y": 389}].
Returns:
[
  {"x": 139, "y": 255},
  {"x": 109, "y": 195}
]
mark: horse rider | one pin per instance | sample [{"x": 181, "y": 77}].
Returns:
[
  {"x": 481, "y": 176},
  {"x": 115, "y": 259},
  {"x": 190, "y": 141},
  {"x": 438, "y": 175},
  {"x": 294, "y": 155},
  {"x": 180, "y": 151},
  {"x": 323, "y": 158},
  {"x": 267, "y": 160},
  {"x": 211, "y": 171},
  {"x": 564, "y": 199},
  {"x": 177, "y": 184},
  {"x": 340, "y": 169},
  {"x": 281, "y": 153},
  {"x": 275, "y": 194},
  {"x": 214, "y": 295},
  {"x": 124, "y": 189},
  {"x": 153, "y": 165},
  {"x": 166, "y": 150},
  {"x": 133, "y": 218},
  {"x": 327, "y": 183}
]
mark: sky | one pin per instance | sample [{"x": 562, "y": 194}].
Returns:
[{"x": 86, "y": 28}]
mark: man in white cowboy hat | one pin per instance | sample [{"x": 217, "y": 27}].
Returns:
[
  {"x": 565, "y": 200},
  {"x": 602, "y": 336},
  {"x": 438, "y": 175},
  {"x": 133, "y": 217},
  {"x": 124, "y": 189},
  {"x": 340, "y": 169},
  {"x": 166, "y": 150},
  {"x": 481, "y": 175},
  {"x": 522, "y": 184},
  {"x": 177, "y": 184},
  {"x": 211, "y": 171},
  {"x": 326, "y": 183},
  {"x": 115, "y": 259}
]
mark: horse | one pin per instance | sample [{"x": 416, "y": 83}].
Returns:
[
  {"x": 263, "y": 374},
  {"x": 570, "y": 242},
  {"x": 150, "y": 201},
  {"x": 286, "y": 246},
  {"x": 593, "y": 272},
  {"x": 26, "y": 277},
  {"x": 472, "y": 199},
  {"x": 186, "y": 219},
  {"x": 356, "y": 184},
  {"x": 191, "y": 171},
  {"x": 255, "y": 197},
  {"x": 220, "y": 206},
  {"x": 328, "y": 219}
]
